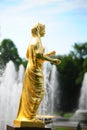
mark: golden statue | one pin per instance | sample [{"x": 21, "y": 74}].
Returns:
[{"x": 33, "y": 85}]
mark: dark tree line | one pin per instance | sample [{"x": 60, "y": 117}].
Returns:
[{"x": 71, "y": 71}]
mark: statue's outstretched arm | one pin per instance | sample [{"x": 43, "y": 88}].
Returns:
[
  {"x": 47, "y": 58},
  {"x": 50, "y": 53},
  {"x": 54, "y": 61}
]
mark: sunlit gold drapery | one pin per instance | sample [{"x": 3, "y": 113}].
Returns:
[{"x": 33, "y": 86}]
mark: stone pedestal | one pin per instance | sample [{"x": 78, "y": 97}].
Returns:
[{"x": 26, "y": 128}]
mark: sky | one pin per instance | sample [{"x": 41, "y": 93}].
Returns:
[{"x": 65, "y": 21}]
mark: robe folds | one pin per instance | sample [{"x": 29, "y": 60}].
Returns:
[{"x": 33, "y": 84}]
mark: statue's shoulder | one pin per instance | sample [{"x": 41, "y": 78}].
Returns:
[{"x": 34, "y": 41}]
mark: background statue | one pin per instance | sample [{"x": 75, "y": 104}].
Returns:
[{"x": 33, "y": 85}]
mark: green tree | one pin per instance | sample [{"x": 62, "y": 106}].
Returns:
[
  {"x": 71, "y": 72},
  {"x": 24, "y": 62},
  {"x": 8, "y": 51},
  {"x": 80, "y": 56},
  {"x": 80, "y": 51},
  {"x": 69, "y": 91}
]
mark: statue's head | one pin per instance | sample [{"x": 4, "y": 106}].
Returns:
[{"x": 38, "y": 29}]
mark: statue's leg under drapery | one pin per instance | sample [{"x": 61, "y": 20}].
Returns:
[{"x": 31, "y": 97}]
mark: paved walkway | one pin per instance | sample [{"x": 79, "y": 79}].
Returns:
[{"x": 64, "y": 123}]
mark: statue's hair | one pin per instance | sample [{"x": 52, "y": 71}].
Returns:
[{"x": 37, "y": 29}]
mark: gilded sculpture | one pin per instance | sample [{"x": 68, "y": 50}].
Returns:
[{"x": 33, "y": 84}]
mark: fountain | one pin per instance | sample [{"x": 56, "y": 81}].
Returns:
[
  {"x": 51, "y": 85},
  {"x": 83, "y": 97},
  {"x": 79, "y": 119},
  {"x": 81, "y": 113},
  {"x": 10, "y": 90}
]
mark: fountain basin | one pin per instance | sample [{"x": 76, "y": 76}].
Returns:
[{"x": 80, "y": 115}]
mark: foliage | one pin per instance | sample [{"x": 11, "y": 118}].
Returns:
[
  {"x": 8, "y": 51},
  {"x": 80, "y": 51},
  {"x": 80, "y": 56},
  {"x": 24, "y": 62},
  {"x": 71, "y": 72},
  {"x": 69, "y": 91}
]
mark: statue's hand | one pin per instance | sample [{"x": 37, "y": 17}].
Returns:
[
  {"x": 39, "y": 56},
  {"x": 56, "y": 61},
  {"x": 53, "y": 53}
]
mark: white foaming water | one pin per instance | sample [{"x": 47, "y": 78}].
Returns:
[
  {"x": 54, "y": 88},
  {"x": 10, "y": 89},
  {"x": 81, "y": 112},
  {"x": 50, "y": 84},
  {"x": 83, "y": 97},
  {"x": 11, "y": 84}
]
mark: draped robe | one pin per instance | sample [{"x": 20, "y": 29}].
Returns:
[{"x": 33, "y": 85}]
